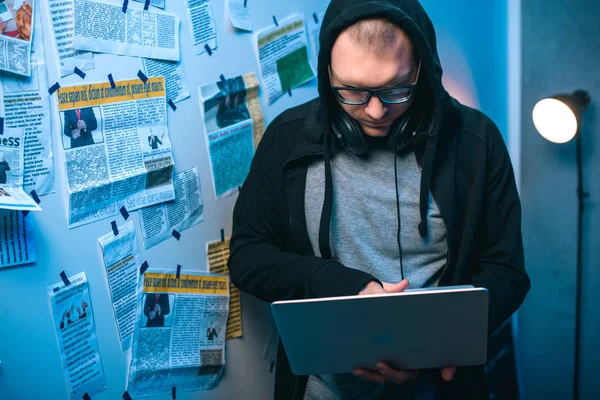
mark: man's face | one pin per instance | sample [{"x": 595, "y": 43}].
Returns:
[{"x": 357, "y": 65}]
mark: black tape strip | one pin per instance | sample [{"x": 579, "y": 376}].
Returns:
[
  {"x": 316, "y": 18},
  {"x": 112, "y": 81},
  {"x": 54, "y": 88},
  {"x": 222, "y": 78},
  {"x": 173, "y": 390},
  {"x": 245, "y": 3},
  {"x": 25, "y": 212},
  {"x": 35, "y": 196},
  {"x": 142, "y": 77},
  {"x": 289, "y": 91},
  {"x": 124, "y": 213},
  {"x": 125, "y": 4},
  {"x": 146, "y": 5},
  {"x": 143, "y": 269},
  {"x": 222, "y": 235},
  {"x": 275, "y": 20},
  {"x": 86, "y": 396},
  {"x": 126, "y": 396},
  {"x": 173, "y": 106},
  {"x": 79, "y": 72},
  {"x": 114, "y": 227},
  {"x": 1, "y": 125},
  {"x": 208, "y": 49},
  {"x": 177, "y": 275},
  {"x": 64, "y": 278},
  {"x": 176, "y": 234}
]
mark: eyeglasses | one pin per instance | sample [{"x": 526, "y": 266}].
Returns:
[{"x": 392, "y": 95}]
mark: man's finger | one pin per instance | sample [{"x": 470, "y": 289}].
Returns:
[
  {"x": 395, "y": 375},
  {"x": 396, "y": 287},
  {"x": 448, "y": 373},
  {"x": 374, "y": 377}
]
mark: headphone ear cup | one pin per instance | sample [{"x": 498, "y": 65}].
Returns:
[{"x": 348, "y": 133}]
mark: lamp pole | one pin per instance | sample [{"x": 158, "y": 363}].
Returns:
[{"x": 580, "y": 197}]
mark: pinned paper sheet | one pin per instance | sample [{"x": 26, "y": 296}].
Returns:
[
  {"x": 218, "y": 254},
  {"x": 239, "y": 14},
  {"x": 177, "y": 88},
  {"x": 17, "y": 239},
  {"x": 283, "y": 56},
  {"x": 202, "y": 24}
]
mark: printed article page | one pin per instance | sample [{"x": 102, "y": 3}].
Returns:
[
  {"x": 179, "y": 337},
  {"x": 239, "y": 14},
  {"x": 202, "y": 24},
  {"x": 283, "y": 57},
  {"x": 177, "y": 88},
  {"x": 234, "y": 125},
  {"x": 60, "y": 15},
  {"x": 117, "y": 147},
  {"x": 120, "y": 254},
  {"x": 103, "y": 27},
  {"x": 218, "y": 254},
  {"x": 157, "y": 222},
  {"x": 26, "y": 106},
  {"x": 17, "y": 239},
  {"x": 73, "y": 317},
  {"x": 16, "y": 20},
  {"x": 12, "y": 195}
]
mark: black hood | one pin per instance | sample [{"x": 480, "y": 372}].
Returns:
[
  {"x": 431, "y": 97},
  {"x": 408, "y": 15}
]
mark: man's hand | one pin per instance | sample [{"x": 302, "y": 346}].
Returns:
[
  {"x": 81, "y": 124},
  {"x": 152, "y": 315},
  {"x": 75, "y": 133},
  {"x": 157, "y": 308},
  {"x": 387, "y": 373}
]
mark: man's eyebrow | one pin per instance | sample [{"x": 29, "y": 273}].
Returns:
[{"x": 396, "y": 81}]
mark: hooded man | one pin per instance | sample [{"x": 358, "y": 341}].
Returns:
[{"x": 383, "y": 180}]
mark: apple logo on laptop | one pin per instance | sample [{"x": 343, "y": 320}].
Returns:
[{"x": 384, "y": 337}]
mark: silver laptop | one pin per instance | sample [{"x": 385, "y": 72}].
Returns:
[{"x": 415, "y": 329}]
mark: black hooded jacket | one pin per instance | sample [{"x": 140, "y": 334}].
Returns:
[{"x": 465, "y": 165}]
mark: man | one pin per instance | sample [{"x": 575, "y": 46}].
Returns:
[
  {"x": 4, "y": 168},
  {"x": 383, "y": 180},
  {"x": 156, "y": 307},
  {"x": 154, "y": 141},
  {"x": 79, "y": 125}
]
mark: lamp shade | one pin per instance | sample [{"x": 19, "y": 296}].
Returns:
[{"x": 557, "y": 118}]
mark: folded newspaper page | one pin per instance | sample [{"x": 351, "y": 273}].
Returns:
[
  {"x": 120, "y": 254},
  {"x": 16, "y": 20},
  {"x": 218, "y": 254},
  {"x": 154, "y": 3},
  {"x": 177, "y": 88},
  {"x": 234, "y": 125},
  {"x": 17, "y": 239},
  {"x": 26, "y": 106},
  {"x": 179, "y": 337},
  {"x": 159, "y": 221},
  {"x": 239, "y": 14},
  {"x": 283, "y": 57},
  {"x": 202, "y": 24},
  {"x": 102, "y": 26},
  {"x": 116, "y": 147},
  {"x": 12, "y": 195},
  {"x": 73, "y": 317},
  {"x": 60, "y": 17}
]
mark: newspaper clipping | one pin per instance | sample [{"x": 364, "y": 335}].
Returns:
[
  {"x": 16, "y": 20},
  {"x": 283, "y": 57},
  {"x": 117, "y": 147},
  {"x": 103, "y": 27},
  {"x": 73, "y": 317},
  {"x": 202, "y": 24},
  {"x": 218, "y": 254},
  {"x": 157, "y": 222},
  {"x": 60, "y": 13},
  {"x": 26, "y": 106},
  {"x": 120, "y": 255},
  {"x": 12, "y": 195},
  {"x": 179, "y": 337},
  {"x": 239, "y": 14},
  {"x": 17, "y": 240},
  {"x": 234, "y": 126},
  {"x": 177, "y": 89}
]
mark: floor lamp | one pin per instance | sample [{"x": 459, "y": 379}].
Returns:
[{"x": 557, "y": 119}]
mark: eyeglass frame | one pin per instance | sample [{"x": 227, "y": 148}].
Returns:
[{"x": 371, "y": 92}]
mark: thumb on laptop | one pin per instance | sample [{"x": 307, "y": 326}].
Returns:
[{"x": 396, "y": 287}]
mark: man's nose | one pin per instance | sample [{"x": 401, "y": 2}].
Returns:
[{"x": 375, "y": 108}]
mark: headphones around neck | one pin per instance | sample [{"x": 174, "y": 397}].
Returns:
[{"x": 350, "y": 136}]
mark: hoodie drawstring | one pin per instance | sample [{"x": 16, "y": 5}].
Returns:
[{"x": 426, "y": 175}]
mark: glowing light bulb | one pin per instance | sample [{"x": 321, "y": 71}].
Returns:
[{"x": 554, "y": 120}]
